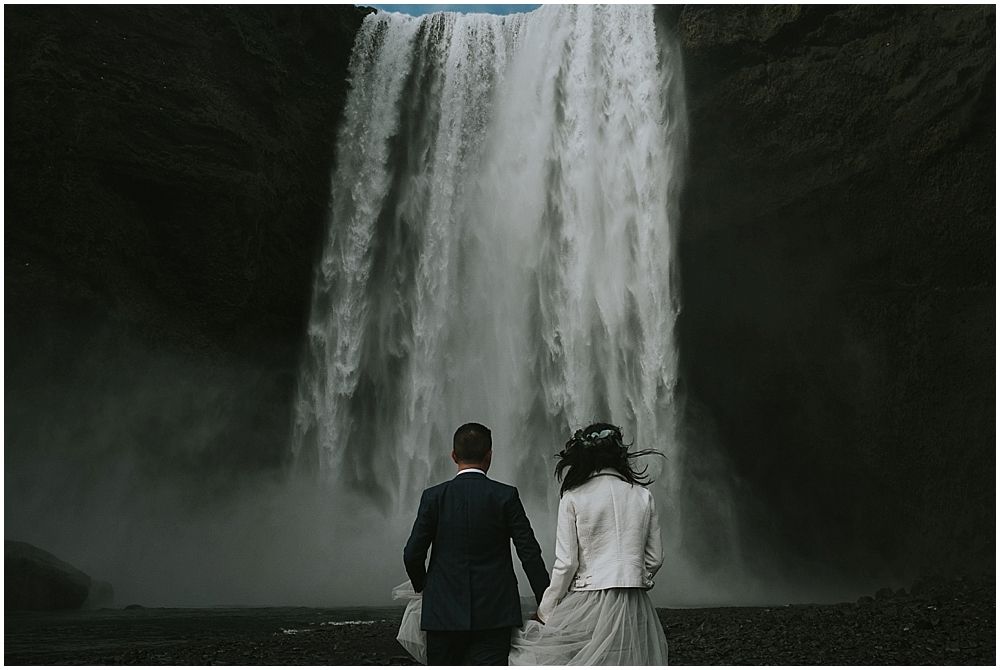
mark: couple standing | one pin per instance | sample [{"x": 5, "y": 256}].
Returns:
[{"x": 594, "y": 611}]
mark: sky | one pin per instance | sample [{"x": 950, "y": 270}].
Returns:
[{"x": 419, "y": 10}]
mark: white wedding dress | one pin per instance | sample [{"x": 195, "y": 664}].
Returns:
[
  {"x": 413, "y": 639},
  {"x": 609, "y": 627}
]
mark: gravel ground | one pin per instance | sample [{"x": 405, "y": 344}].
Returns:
[{"x": 938, "y": 623}]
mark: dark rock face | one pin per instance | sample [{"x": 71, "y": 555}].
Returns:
[
  {"x": 167, "y": 174},
  {"x": 34, "y": 579},
  {"x": 175, "y": 162},
  {"x": 837, "y": 276}
]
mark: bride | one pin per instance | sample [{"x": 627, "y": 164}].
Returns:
[{"x": 595, "y": 610}]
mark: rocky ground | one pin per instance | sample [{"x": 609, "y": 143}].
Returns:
[
  {"x": 942, "y": 622},
  {"x": 936, "y": 623}
]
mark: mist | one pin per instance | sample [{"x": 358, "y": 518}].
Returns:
[{"x": 169, "y": 474}]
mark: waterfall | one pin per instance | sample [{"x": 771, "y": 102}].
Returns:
[{"x": 501, "y": 250}]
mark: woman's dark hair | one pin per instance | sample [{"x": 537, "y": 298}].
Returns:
[{"x": 594, "y": 448}]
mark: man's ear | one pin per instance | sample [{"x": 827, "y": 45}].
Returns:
[
  {"x": 454, "y": 457},
  {"x": 489, "y": 458}
]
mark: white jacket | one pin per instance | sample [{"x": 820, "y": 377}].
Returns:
[{"x": 607, "y": 536}]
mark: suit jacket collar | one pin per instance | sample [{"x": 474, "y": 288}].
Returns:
[{"x": 470, "y": 475}]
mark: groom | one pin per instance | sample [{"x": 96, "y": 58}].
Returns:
[{"x": 470, "y": 590}]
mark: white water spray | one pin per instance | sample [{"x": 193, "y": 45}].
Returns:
[{"x": 500, "y": 250}]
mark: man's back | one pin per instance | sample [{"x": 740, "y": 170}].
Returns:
[{"x": 470, "y": 582}]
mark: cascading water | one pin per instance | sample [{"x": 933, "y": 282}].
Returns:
[{"x": 500, "y": 250}]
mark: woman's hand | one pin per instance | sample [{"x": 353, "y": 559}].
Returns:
[{"x": 534, "y": 617}]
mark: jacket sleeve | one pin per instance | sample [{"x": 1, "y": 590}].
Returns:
[
  {"x": 415, "y": 552},
  {"x": 567, "y": 558},
  {"x": 653, "y": 554},
  {"x": 528, "y": 551}
]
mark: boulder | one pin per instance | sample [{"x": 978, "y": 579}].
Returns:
[
  {"x": 926, "y": 584},
  {"x": 102, "y": 594},
  {"x": 884, "y": 593},
  {"x": 34, "y": 579}
]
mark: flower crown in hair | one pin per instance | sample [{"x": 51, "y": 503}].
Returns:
[{"x": 591, "y": 439}]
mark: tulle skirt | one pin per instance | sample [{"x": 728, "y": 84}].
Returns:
[
  {"x": 609, "y": 627},
  {"x": 412, "y": 639}
]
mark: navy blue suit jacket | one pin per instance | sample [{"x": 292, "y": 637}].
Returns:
[{"x": 470, "y": 582}]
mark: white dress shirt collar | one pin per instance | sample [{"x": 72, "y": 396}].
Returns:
[{"x": 468, "y": 470}]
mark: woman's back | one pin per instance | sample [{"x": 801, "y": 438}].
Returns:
[{"x": 617, "y": 533}]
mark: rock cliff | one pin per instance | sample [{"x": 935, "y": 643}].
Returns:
[
  {"x": 837, "y": 275},
  {"x": 167, "y": 176},
  {"x": 34, "y": 579}
]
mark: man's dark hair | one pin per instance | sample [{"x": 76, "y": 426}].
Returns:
[{"x": 472, "y": 442}]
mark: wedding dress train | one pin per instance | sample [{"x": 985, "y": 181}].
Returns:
[{"x": 607, "y": 627}]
